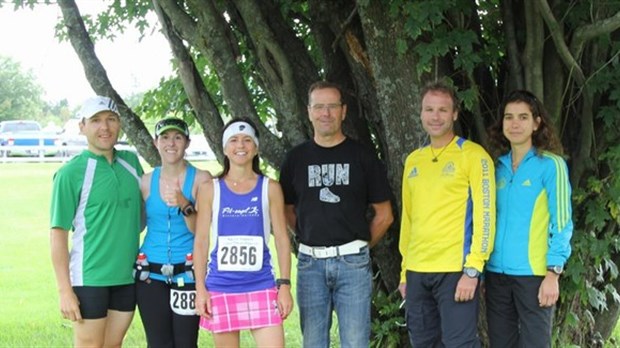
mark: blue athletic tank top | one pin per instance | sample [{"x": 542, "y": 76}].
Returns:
[
  {"x": 167, "y": 238},
  {"x": 236, "y": 216}
]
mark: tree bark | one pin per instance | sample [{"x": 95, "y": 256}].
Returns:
[
  {"x": 99, "y": 81},
  {"x": 533, "y": 50},
  {"x": 397, "y": 93},
  {"x": 515, "y": 70},
  {"x": 207, "y": 31},
  {"x": 277, "y": 70},
  {"x": 206, "y": 111}
]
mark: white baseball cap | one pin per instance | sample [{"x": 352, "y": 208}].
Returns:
[{"x": 95, "y": 105}]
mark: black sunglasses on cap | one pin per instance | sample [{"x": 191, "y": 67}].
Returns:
[{"x": 171, "y": 123}]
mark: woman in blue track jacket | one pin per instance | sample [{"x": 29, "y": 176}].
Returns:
[{"x": 534, "y": 225}]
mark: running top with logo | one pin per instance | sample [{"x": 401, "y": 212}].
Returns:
[
  {"x": 102, "y": 204},
  {"x": 331, "y": 188},
  {"x": 448, "y": 216},
  {"x": 534, "y": 224},
  {"x": 241, "y": 227},
  {"x": 167, "y": 239}
]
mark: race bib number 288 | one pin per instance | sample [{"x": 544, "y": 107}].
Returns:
[
  {"x": 239, "y": 253},
  {"x": 183, "y": 302}
]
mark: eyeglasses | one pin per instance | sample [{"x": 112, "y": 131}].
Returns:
[
  {"x": 167, "y": 123},
  {"x": 329, "y": 107}
]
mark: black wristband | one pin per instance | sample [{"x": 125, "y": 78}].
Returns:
[{"x": 282, "y": 281}]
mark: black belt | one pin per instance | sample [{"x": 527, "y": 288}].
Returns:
[{"x": 156, "y": 268}]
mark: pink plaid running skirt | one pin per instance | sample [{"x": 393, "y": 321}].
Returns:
[{"x": 242, "y": 311}]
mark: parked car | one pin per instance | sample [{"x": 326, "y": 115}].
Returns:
[
  {"x": 25, "y": 137},
  {"x": 199, "y": 148}
]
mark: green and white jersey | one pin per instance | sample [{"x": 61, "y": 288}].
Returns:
[{"x": 101, "y": 203}]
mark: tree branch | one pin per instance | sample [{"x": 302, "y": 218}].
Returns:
[
  {"x": 184, "y": 24},
  {"x": 588, "y": 32},
  {"x": 560, "y": 44},
  {"x": 512, "y": 51},
  {"x": 280, "y": 80},
  {"x": 98, "y": 79},
  {"x": 204, "y": 107},
  {"x": 533, "y": 52},
  {"x": 210, "y": 37}
]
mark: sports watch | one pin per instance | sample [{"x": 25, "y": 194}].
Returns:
[
  {"x": 282, "y": 281},
  {"x": 471, "y": 272},
  {"x": 188, "y": 209},
  {"x": 556, "y": 269}
]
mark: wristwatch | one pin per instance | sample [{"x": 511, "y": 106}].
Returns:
[
  {"x": 556, "y": 269},
  {"x": 282, "y": 281},
  {"x": 471, "y": 272},
  {"x": 188, "y": 209}
]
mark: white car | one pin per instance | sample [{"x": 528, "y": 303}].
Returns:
[
  {"x": 199, "y": 148},
  {"x": 25, "y": 137}
]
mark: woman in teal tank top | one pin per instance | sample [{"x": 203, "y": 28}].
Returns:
[{"x": 165, "y": 298}]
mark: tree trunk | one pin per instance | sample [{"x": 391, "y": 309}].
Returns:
[{"x": 99, "y": 81}]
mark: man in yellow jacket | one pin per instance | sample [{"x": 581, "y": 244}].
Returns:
[{"x": 447, "y": 227}]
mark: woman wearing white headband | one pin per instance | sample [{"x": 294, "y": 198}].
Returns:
[{"x": 237, "y": 211}]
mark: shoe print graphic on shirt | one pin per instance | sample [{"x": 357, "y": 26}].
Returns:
[{"x": 327, "y": 196}]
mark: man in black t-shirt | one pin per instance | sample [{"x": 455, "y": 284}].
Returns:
[{"x": 328, "y": 183}]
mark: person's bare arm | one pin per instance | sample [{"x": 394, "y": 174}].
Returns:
[
  {"x": 204, "y": 200},
  {"x": 69, "y": 303},
  {"x": 283, "y": 246},
  {"x": 202, "y": 176},
  {"x": 381, "y": 221},
  {"x": 291, "y": 217}
]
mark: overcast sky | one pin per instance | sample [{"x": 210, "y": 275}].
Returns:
[{"x": 132, "y": 65}]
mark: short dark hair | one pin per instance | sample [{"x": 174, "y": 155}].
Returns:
[
  {"x": 442, "y": 87},
  {"x": 325, "y": 85}
]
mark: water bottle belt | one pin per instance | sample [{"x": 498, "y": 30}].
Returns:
[{"x": 156, "y": 268}]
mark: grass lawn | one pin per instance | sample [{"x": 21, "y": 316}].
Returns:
[{"x": 29, "y": 313}]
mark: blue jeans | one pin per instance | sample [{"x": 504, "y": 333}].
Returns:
[{"x": 343, "y": 283}]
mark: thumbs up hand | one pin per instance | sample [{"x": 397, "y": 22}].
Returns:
[{"x": 172, "y": 194}]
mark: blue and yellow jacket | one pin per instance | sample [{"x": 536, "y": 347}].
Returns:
[
  {"x": 534, "y": 223},
  {"x": 448, "y": 213}
]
